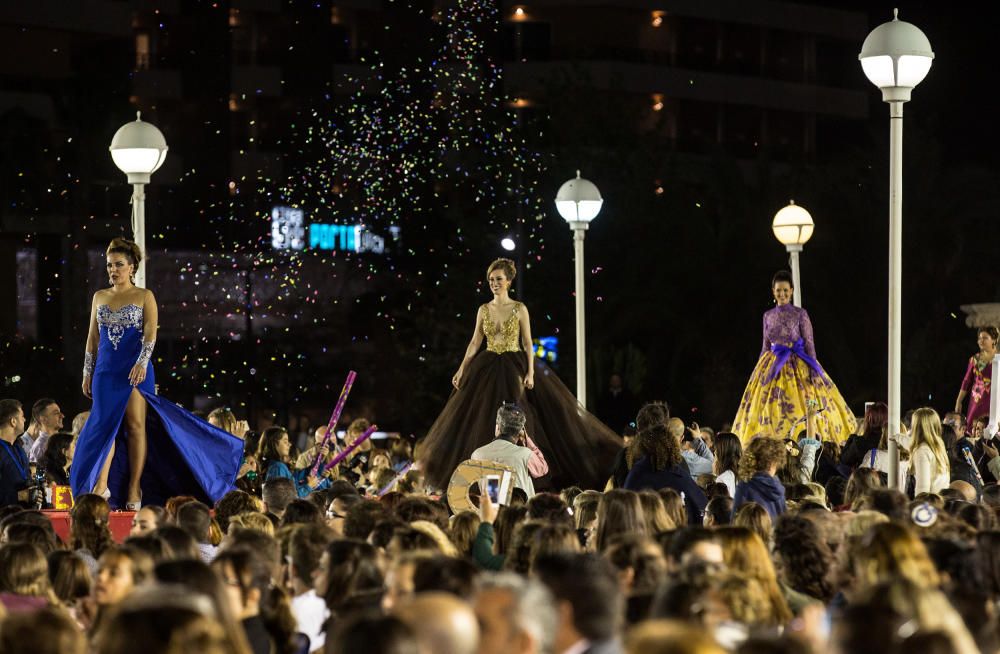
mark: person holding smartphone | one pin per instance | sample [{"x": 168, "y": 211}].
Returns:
[{"x": 512, "y": 447}]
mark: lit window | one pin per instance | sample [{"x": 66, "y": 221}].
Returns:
[{"x": 142, "y": 51}]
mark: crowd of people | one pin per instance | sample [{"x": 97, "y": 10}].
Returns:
[{"x": 697, "y": 543}]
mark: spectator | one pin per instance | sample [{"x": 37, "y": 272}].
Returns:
[
  {"x": 373, "y": 633},
  {"x": 695, "y": 452},
  {"x": 46, "y": 631},
  {"x": 616, "y": 405},
  {"x": 516, "y": 615},
  {"x": 588, "y": 600},
  {"x": 14, "y": 460},
  {"x": 24, "y": 578},
  {"x": 261, "y": 606},
  {"x": 728, "y": 452},
  {"x": 277, "y": 494},
  {"x": 57, "y": 457},
  {"x": 146, "y": 520},
  {"x": 514, "y": 448},
  {"x": 89, "y": 532},
  {"x": 306, "y": 547},
  {"x": 860, "y": 445},
  {"x": 442, "y": 623},
  {"x": 79, "y": 420},
  {"x": 46, "y": 419},
  {"x": 620, "y": 512},
  {"x": 196, "y": 519},
  {"x": 233, "y": 503},
  {"x": 761, "y": 461},
  {"x": 659, "y": 464},
  {"x": 929, "y": 457}
]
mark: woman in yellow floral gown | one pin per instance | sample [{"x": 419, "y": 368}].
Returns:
[
  {"x": 788, "y": 375},
  {"x": 578, "y": 447}
]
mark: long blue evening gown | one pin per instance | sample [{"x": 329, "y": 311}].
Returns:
[{"x": 185, "y": 455}]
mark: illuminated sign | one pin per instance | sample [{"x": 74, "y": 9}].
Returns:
[{"x": 289, "y": 232}]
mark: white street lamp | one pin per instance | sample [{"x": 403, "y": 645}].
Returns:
[
  {"x": 896, "y": 56},
  {"x": 578, "y": 202},
  {"x": 793, "y": 226},
  {"x": 139, "y": 149},
  {"x": 507, "y": 243}
]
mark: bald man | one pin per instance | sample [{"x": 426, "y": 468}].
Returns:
[{"x": 443, "y": 623}]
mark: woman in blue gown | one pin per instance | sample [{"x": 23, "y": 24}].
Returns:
[{"x": 137, "y": 447}]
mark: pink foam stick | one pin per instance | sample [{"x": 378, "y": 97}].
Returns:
[
  {"x": 331, "y": 426},
  {"x": 353, "y": 446}
]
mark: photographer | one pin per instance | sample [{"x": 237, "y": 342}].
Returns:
[
  {"x": 14, "y": 470},
  {"x": 513, "y": 448}
]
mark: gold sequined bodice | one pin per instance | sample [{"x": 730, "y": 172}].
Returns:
[{"x": 506, "y": 338}]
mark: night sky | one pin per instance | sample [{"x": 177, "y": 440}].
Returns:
[{"x": 676, "y": 282}]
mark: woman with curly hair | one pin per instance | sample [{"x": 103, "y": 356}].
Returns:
[
  {"x": 804, "y": 559},
  {"x": 89, "y": 530},
  {"x": 758, "y": 483},
  {"x": 657, "y": 463}
]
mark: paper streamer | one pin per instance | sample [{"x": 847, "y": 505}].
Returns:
[
  {"x": 395, "y": 480},
  {"x": 353, "y": 446},
  {"x": 331, "y": 426}
]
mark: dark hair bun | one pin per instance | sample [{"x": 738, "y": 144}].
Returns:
[
  {"x": 126, "y": 248},
  {"x": 782, "y": 276},
  {"x": 990, "y": 331}
]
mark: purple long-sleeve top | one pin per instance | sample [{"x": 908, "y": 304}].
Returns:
[{"x": 784, "y": 325}]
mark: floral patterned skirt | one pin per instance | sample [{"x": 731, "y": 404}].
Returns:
[{"x": 773, "y": 408}]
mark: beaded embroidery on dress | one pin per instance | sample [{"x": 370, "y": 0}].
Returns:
[
  {"x": 507, "y": 337},
  {"x": 116, "y": 322}
]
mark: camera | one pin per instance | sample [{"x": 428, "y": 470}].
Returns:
[{"x": 37, "y": 488}]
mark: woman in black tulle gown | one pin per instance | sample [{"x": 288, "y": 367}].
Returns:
[{"x": 578, "y": 447}]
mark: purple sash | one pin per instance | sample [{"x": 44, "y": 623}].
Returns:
[{"x": 783, "y": 352}]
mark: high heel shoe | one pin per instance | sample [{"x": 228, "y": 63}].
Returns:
[
  {"x": 106, "y": 494},
  {"x": 134, "y": 506}
]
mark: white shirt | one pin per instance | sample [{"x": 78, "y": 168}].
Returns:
[
  {"x": 729, "y": 479},
  {"x": 929, "y": 478},
  {"x": 310, "y": 613}
]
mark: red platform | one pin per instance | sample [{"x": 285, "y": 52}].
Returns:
[{"x": 121, "y": 524}]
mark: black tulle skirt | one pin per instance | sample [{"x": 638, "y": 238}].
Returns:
[{"x": 579, "y": 448}]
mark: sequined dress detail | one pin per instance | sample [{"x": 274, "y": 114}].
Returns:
[{"x": 578, "y": 447}]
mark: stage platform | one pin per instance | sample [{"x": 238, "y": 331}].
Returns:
[{"x": 121, "y": 524}]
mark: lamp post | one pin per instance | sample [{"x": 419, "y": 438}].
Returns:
[
  {"x": 896, "y": 56},
  {"x": 793, "y": 226},
  {"x": 138, "y": 149},
  {"x": 578, "y": 202}
]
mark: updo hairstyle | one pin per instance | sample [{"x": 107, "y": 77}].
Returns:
[
  {"x": 504, "y": 265},
  {"x": 126, "y": 248},
  {"x": 782, "y": 276}
]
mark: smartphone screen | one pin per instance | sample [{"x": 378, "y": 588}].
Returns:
[{"x": 493, "y": 488}]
